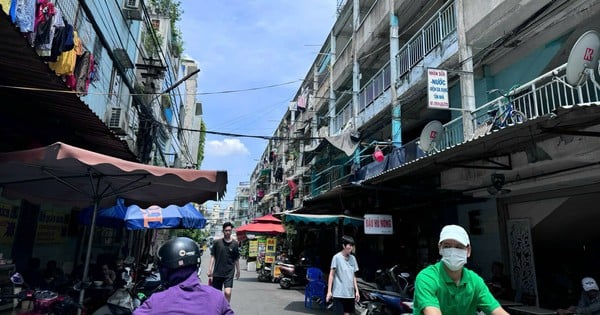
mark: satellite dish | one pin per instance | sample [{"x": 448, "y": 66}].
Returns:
[
  {"x": 431, "y": 136},
  {"x": 583, "y": 57}
]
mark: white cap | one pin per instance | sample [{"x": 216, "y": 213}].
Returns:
[
  {"x": 454, "y": 232},
  {"x": 589, "y": 283}
]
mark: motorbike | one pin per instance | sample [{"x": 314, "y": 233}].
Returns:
[
  {"x": 293, "y": 274},
  {"x": 43, "y": 302},
  {"x": 264, "y": 271},
  {"x": 391, "y": 294}
]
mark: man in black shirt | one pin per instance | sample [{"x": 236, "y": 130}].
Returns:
[{"x": 224, "y": 257}]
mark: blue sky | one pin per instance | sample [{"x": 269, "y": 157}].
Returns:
[{"x": 243, "y": 45}]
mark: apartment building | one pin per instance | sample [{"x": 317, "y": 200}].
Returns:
[{"x": 359, "y": 139}]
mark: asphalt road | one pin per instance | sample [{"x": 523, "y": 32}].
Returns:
[{"x": 251, "y": 297}]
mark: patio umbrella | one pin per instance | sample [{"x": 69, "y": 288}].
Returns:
[
  {"x": 64, "y": 174},
  {"x": 154, "y": 217},
  {"x": 171, "y": 217},
  {"x": 113, "y": 217},
  {"x": 269, "y": 218},
  {"x": 266, "y": 228}
]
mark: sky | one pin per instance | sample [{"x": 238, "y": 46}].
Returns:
[{"x": 244, "y": 45}]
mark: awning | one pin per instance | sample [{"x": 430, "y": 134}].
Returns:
[
  {"x": 322, "y": 219},
  {"x": 41, "y": 116}
]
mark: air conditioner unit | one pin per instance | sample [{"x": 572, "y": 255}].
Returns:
[
  {"x": 132, "y": 4},
  {"x": 116, "y": 119},
  {"x": 131, "y": 9}
]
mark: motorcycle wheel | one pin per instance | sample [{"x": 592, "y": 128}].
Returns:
[{"x": 285, "y": 283}]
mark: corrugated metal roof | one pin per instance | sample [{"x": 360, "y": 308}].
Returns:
[
  {"x": 501, "y": 142},
  {"x": 30, "y": 118}
]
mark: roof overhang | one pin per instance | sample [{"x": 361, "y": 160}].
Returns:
[
  {"x": 493, "y": 151},
  {"x": 38, "y": 109}
]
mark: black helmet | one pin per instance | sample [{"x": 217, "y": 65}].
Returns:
[{"x": 179, "y": 252}]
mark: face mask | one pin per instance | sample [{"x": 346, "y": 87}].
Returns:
[{"x": 454, "y": 258}]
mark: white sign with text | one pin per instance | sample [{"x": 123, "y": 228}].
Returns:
[
  {"x": 379, "y": 224},
  {"x": 437, "y": 89}
]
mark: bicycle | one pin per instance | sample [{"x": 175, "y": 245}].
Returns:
[{"x": 509, "y": 116}]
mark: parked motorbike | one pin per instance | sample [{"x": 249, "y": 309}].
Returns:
[
  {"x": 148, "y": 283},
  {"x": 43, "y": 302},
  {"x": 264, "y": 271},
  {"x": 374, "y": 301},
  {"x": 293, "y": 274},
  {"x": 391, "y": 294},
  {"x": 392, "y": 280}
]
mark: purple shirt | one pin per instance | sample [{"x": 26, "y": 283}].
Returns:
[{"x": 188, "y": 297}]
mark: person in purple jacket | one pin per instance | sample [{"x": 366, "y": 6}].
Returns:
[{"x": 179, "y": 259}]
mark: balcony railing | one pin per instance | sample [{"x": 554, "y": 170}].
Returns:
[
  {"x": 420, "y": 45},
  {"x": 430, "y": 36},
  {"x": 536, "y": 98}
]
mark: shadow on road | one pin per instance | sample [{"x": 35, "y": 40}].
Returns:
[{"x": 298, "y": 307}]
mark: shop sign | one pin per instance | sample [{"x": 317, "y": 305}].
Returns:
[
  {"x": 378, "y": 224},
  {"x": 8, "y": 223},
  {"x": 253, "y": 248},
  {"x": 270, "y": 250},
  {"x": 437, "y": 89},
  {"x": 52, "y": 226}
]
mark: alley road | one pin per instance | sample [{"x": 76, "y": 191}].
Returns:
[{"x": 251, "y": 297}]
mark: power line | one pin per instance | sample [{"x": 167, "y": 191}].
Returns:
[{"x": 148, "y": 94}]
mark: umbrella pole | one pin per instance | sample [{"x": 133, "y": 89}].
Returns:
[{"x": 86, "y": 265}]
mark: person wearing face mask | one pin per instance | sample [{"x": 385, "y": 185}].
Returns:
[
  {"x": 449, "y": 288},
  {"x": 589, "y": 302}
]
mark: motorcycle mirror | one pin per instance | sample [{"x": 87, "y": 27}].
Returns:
[{"x": 404, "y": 274}]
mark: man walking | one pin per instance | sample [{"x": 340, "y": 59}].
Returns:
[
  {"x": 341, "y": 284},
  {"x": 224, "y": 258},
  {"x": 448, "y": 287}
]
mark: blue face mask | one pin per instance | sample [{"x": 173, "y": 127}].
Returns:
[{"x": 454, "y": 258}]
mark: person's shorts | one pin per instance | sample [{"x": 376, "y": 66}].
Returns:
[
  {"x": 222, "y": 282},
  {"x": 343, "y": 305}
]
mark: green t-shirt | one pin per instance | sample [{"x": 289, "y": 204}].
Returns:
[{"x": 434, "y": 287}]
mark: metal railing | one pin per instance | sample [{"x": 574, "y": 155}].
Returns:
[
  {"x": 423, "y": 42},
  {"x": 535, "y": 98},
  {"x": 430, "y": 36}
]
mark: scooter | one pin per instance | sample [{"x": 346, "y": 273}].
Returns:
[
  {"x": 293, "y": 275},
  {"x": 264, "y": 271},
  {"x": 44, "y": 302},
  {"x": 374, "y": 301},
  {"x": 391, "y": 294}
]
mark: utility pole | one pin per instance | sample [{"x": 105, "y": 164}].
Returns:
[
  {"x": 467, "y": 85},
  {"x": 396, "y": 107}
]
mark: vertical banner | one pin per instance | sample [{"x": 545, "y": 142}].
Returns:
[
  {"x": 437, "y": 89},
  {"x": 270, "y": 250},
  {"x": 8, "y": 223},
  {"x": 379, "y": 224},
  {"x": 52, "y": 227},
  {"x": 253, "y": 248}
]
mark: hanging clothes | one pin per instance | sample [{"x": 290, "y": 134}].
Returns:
[
  {"x": 80, "y": 79},
  {"x": 5, "y": 5},
  {"x": 279, "y": 175},
  {"x": 24, "y": 15},
  {"x": 65, "y": 64},
  {"x": 48, "y": 20}
]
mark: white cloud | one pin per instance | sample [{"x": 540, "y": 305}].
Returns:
[{"x": 226, "y": 147}]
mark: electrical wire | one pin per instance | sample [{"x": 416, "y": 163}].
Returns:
[{"x": 145, "y": 94}]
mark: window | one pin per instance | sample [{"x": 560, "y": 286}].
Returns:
[{"x": 156, "y": 24}]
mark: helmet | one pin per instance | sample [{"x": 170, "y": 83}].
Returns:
[{"x": 179, "y": 252}]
